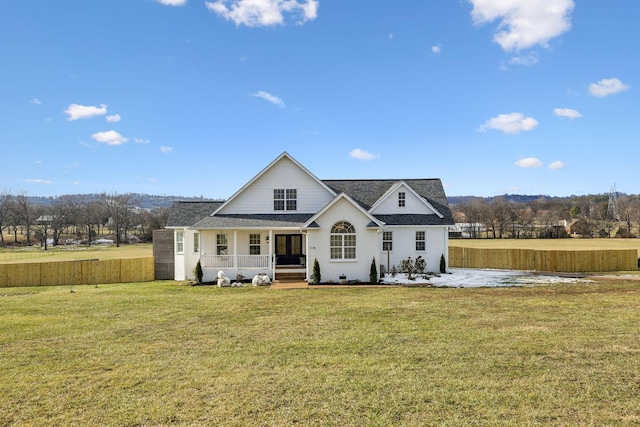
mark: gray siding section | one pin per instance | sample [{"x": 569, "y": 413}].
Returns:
[{"x": 163, "y": 256}]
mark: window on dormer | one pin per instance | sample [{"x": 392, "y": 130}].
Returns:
[
  {"x": 285, "y": 199},
  {"x": 402, "y": 197}
]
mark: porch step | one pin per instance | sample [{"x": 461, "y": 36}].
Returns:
[{"x": 292, "y": 276}]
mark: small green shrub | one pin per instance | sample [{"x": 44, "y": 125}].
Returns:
[
  {"x": 373, "y": 271},
  {"x": 443, "y": 264},
  {"x": 197, "y": 272},
  {"x": 315, "y": 274}
]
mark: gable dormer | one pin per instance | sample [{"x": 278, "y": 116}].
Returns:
[
  {"x": 284, "y": 186},
  {"x": 400, "y": 198}
]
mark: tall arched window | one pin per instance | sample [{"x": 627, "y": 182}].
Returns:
[{"x": 343, "y": 241}]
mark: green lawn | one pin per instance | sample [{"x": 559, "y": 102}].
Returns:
[{"x": 163, "y": 353}]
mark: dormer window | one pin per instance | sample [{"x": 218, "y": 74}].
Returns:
[
  {"x": 402, "y": 197},
  {"x": 285, "y": 199}
]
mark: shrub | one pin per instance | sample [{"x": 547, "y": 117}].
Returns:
[
  {"x": 408, "y": 267},
  {"x": 443, "y": 264},
  {"x": 373, "y": 271},
  {"x": 197, "y": 272},
  {"x": 315, "y": 275},
  {"x": 420, "y": 265}
]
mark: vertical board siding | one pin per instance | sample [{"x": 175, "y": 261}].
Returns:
[
  {"x": 545, "y": 260},
  {"x": 85, "y": 272}
]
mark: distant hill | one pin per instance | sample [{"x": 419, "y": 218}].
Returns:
[
  {"x": 145, "y": 201},
  {"x": 518, "y": 198}
]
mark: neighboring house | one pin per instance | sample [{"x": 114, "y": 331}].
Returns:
[{"x": 285, "y": 218}]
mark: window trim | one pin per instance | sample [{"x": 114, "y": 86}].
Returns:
[
  {"x": 253, "y": 245},
  {"x": 222, "y": 242},
  {"x": 285, "y": 199},
  {"x": 341, "y": 234},
  {"x": 422, "y": 241},
  {"x": 196, "y": 242},
  {"x": 387, "y": 242},
  {"x": 402, "y": 199},
  {"x": 180, "y": 242}
]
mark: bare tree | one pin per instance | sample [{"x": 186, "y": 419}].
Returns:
[
  {"x": 120, "y": 208},
  {"x": 24, "y": 214},
  {"x": 5, "y": 198}
]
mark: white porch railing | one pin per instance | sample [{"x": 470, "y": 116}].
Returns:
[{"x": 235, "y": 262}]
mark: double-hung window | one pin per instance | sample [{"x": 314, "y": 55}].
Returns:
[
  {"x": 196, "y": 242},
  {"x": 420, "y": 241},
  {"x": 222, "y": 244},
  {"x": 387, "y": 241},
  {"x": 402, "y": 198},
  {"x": 342, "y": 241},
  {"x": 254, "y": 244},
  {"x": 179, "y": 242},
  {"x": 285, "y": 199}
]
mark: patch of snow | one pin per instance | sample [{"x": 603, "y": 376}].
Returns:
[{"x": 478, "y": 278}]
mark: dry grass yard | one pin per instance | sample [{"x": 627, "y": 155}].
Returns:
[
  {"x": 548, "y": 244},
  {"x": 74, "y": 252},
  {"x": 164, "y": 353}
]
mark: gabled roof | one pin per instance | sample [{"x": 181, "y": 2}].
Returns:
[
  {"x": 368, "y": 191},
  {"x": 395, "y": 187},
  {"x": 269, "y": 166},
  {"x": 185, "y": 213},
  {"x": 373, "y": 223}
]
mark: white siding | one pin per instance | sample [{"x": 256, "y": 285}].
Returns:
[
  {"x": 186, "y": 261},
  {"x": 258, "y": 196},
  {"x": 404, "y": 246},
  {"x": 413, "y": 205},
  {"x": 367, "y": 244}
]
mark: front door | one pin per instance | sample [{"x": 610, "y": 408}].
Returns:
[{"x": 288, "y": 249}]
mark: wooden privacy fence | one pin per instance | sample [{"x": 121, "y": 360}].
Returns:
[
  {"x": 545, "y": 260},
  {"x": 91, "y": 272}
]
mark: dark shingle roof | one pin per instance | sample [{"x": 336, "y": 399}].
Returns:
[
  {"x": 253, "y": 220},
  {"x": 367, "y": 192},
  {"x": 185, "y": 213}
]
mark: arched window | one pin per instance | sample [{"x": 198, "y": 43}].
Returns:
[{"x": 343, "y": 241}]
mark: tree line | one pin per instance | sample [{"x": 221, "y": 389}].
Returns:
[
  {"x": 76, "y": 219},
  {"x": 587, "y": 216}
]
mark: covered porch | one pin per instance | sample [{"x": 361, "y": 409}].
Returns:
[{"x": 280, "y": 254}]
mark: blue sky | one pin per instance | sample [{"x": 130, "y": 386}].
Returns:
[{"x": 194, "y": 97}]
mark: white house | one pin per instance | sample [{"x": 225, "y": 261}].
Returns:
[{"x": 285, "y": 218}]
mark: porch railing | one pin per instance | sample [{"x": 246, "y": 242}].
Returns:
[{"x": 238, "y": 261}]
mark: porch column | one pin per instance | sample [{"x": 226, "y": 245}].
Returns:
[
  {"x": 235, "y": 248},
  {"x": 271, "y": 263}
]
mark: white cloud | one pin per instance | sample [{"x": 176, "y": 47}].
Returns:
[
  {"x": 524, "y": 23},
  {"x": 110, "y": 137},
  {"x": 360, "y": 154},
  {"x": 390, "y": 36},
  {"x": 436, "y": 49},
  {"x": 39, "y": 181},
  {"x": 606, "y": 87},
  {"x": 141, "y": 141},
  {"x": 525, "y": 60},
  {"x": 166, "y": 150},
  {"x": 113, "y": 118},
  {"x": 567, "y": 113},
  {"x": 172, "y": 2},
  {"x": 77, "y": 111},
  {"x": 36, "y": 101},
  {"x": 271, "y": 98},
  {"x": 263, "y": 13},
  {"x": 529, "y": 162},
  {"x": 509, "y": 123},
  {"x": 556, "y": 165}
]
